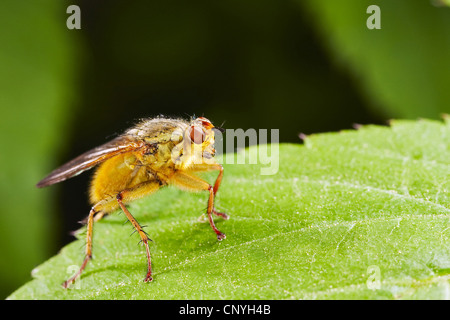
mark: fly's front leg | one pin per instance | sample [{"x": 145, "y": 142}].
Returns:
[
  {"x": 190, "y": 182},
  {"x": 220, "y": 235},
  {"x": 212, "y": 167},
  {"x": 219, "y": 177}
]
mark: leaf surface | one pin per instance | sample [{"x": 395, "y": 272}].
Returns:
[{"x": 344, "y": 211}]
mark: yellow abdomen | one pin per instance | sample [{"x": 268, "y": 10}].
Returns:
[{"x": 115, "y": 175}]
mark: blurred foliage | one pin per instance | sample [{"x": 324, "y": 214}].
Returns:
[
  {"x": 404, "y": 67},
  {"x": 441, "y": 2},
  {"x": 252, "y": 64},
  {"x": 36, "y": 69},
  {"x": 299, "y": 66}
]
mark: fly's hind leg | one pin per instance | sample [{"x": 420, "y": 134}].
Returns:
[
  {"x": 112, "y": 205},
  {"x": 99, "y": 215},
  {"x": 97, "y": 208},
  {"x": 106, "y": 206},
  {"x": 139, "y": 191}
]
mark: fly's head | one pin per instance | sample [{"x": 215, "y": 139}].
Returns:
[{"x": 198, "y": 143}]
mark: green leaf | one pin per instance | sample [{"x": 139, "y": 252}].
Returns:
[{"x": 344, "y": 210}]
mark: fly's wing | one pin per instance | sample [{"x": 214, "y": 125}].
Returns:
[{"x": 89, "y": 159}]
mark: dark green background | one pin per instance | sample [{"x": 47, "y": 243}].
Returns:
[{"x": 297, "y": 66}]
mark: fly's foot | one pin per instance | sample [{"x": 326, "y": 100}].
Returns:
[
  {"x": 221, "y": 236},
  {"x": 66, "y": 284},
  {"x": 221, "y": 214},
  {"x": 148, "y": 278}
]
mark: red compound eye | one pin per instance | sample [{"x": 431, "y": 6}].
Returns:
[
  {"x": 206, "y": 124},
  {"x": 197, "y": 135}
]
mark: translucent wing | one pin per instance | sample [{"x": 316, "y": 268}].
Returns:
[{"x": 90, "y": 158}]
